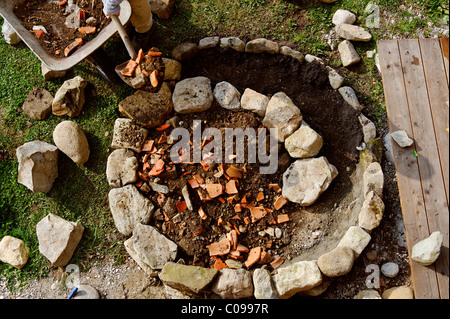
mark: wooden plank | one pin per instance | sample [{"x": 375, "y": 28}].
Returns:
[
  {"x": 431, "y": 178},
  {"x": 438, "y": 96},
  {"x": 408, "y": 176},
  {"x": 445, "y": 49}
]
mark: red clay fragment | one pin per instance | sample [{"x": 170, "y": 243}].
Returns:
[
  {"x": 280, "y": 202},
  {"x": 129, "y": 69},
  {"x": 234, "y": 172},
  {"x": 181, "y": 206},
  {"x": 257, "y": 213},
  {"x": 220, "y": 248},
  {"x": 265, "y": 258},
  {"x": 277, "y": 263},
  {"x": 214, "y": 190},
  {"x": 253, "y": 256},
  {"x": 38, "y": 33},
  {"x": 284, "y": 218},
  {"x": 87, "y": 30},
  {"x": 219, "y": 264},
  {"x": 231, "y": 188},
  {"x": 78, "y": 42},
  {"x": 158, "y": 168}
]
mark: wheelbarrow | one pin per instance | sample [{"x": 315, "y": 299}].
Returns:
[{"x": 89, "y": 51}]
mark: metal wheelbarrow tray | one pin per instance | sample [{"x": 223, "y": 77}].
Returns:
[{"x": 61, "y": 64}]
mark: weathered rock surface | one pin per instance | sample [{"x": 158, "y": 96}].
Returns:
[
  {"x": 86, "y": 292},
  {"x": 148, "y": 109},
  {"x": 128, "y": 135},
  {"x": 13, "y": 251},
  {"x": 208, "y": 42},
  {"x": 353, "y": 33},
  {"x": 402, "y": 138},
  {"x": 355, "y": 238},
  {"x": 58, "y": 239},
  {"x": 296, "y": 277},
  {"x": 233, "y": 284},
  {"x": 162, "y": 8},
  {"x": 38, "y": 104},
  {"x": 349, "y": 96},
  {"x": 232, "y": 43},
  {"x": 427, "y": 251},
  {"x": 185, "y": 51},
  {"x": 336, "y": 80},
  {"x": 282, "y": 114},
  {"x": 262, "y": 45},
  {"x": 304, "y": 143},
  {"x": 188, "y": 278},
  {"x": 390, "y": 270},
  {"x": 69, "y": 99},
  {"x": 263, "y": 285},
  {"x": 254, "y": 102},
  {"x": 285, "y": 50},
  {"x": 152, "y": 247},
  {"x": 121, "y": 168},
  {"x": 71, "y": 140},
  {"x": 129, "y": 208},
  {"x": 38, "y": 165},
  {"x": 372, "y": 212},
  {"x": 402, "y": 292},
  {"x": 306, "y": 179},
  {"x": 336, "y": 262},
  {"x": 172, "y": 69},
  {"x": 368, "y": 127},
  {"x": 367, "y": 294},
  {"x": 348, "y": 54},
  {"x": 227, "y": 96},
  {"x": 373, "y": 179},
  {"x": 192, "y": 95}
]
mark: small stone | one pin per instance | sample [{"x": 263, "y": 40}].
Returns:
[
  {"x": 310, "y": 58},
  {"x": 427, "y": 251},
  {"x": 86, "y": 292},
  {"x": 348, "y": 54},
  {"x": 51, "y": 74},
  {"x": 263, "y": 285},
  {"x": 187, "y": 198},
  {"x": 139, "y": 81},
  {"x": 390, "y": 270},
  {"x": 172, "y": 69},
  {"x": 262, "y": 45},
  {"x": 232, "y": 43},
  {"x": 402, "y": 139},
  {"x": 402, "y": 292},
  {"x": 162, "y": 8},
  {"x": 373, "y": 179},
  {"x": 128, "y": 135},
  {"x": 188, "y": 278},
  {"x": 353, "y": 32},
  {"x": 337, "y": 262},
  {"x": 227, "y": 96},
  {"x": 342, "y": 16},
  {"x": 304, "y": 143},
  {"x": 13, "y": 251},
  {"x": 163, "y": 189},
  {"x": 369, "y": 128},
  {"x": 336, "y": 80},
  {"x": 38, "y": 104},
  {"x": 185, "y": 51},
  {"x": 71, "y": 140},
  {"x": 121, "y": 168},
  {"x": 208, "y": 42},
  {"x": 285, "y": 50},
  {"x": 367, "y": 294},
  {"x": 349, "y": 96},
  {"x": 69, "y": 99},
  {"x": 233, "y": 284}
]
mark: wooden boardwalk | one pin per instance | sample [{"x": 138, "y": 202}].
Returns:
[{"x": 416, "y": 84}]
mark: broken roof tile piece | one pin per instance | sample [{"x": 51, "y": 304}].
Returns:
[
  {"x": 280, "y": 202},
  {"x": 214, "y": 190},
  {"x": 283, "y": 218},
  {"x": 253, "y": 256},
  {"x": 257, "y": 213},
  {"x": 231, "y": 188},
  {"x": 234, "y": 172},
  {"x": 220, "y": 248}
]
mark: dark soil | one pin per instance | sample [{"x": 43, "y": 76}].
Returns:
[
  {"x": 53, "y": 17},
  {"x": 322, "y": 108}
]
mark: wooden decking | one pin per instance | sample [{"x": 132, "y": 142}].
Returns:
[{"x": 416, "y": 84}]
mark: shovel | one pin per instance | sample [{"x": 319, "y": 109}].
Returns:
[{"x": 128, "y": 46}]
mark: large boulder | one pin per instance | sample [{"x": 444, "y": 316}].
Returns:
[
  {"x": 306, "y": 179},
  {"x": 192, "y": 95},
  {"x": 148, "y": 109},
  {"x": 121, "y": 168},
  {"x": 38, "y": 165},
  {"x": 69, "y": 99},
  {"x": 152, "y": 248},
  {"x": 71, "y": 140},
  {"x": 13, "y": 251},
  {"x": 38, "y": 104},
  {"x": 58, "y": 239},
  {"x": 282, "y": 114},
  {"x": 129, "y": 208}
]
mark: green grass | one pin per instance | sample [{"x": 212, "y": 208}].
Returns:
[{"x": 80, "y": 192}]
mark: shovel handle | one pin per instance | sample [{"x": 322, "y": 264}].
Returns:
[{"x": 125, "y": 37}]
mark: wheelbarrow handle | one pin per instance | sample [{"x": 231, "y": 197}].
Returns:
[{"x": 125, "y": 37}]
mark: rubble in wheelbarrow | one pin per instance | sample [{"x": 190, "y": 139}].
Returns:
[{"x": 146, "y": 71}]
